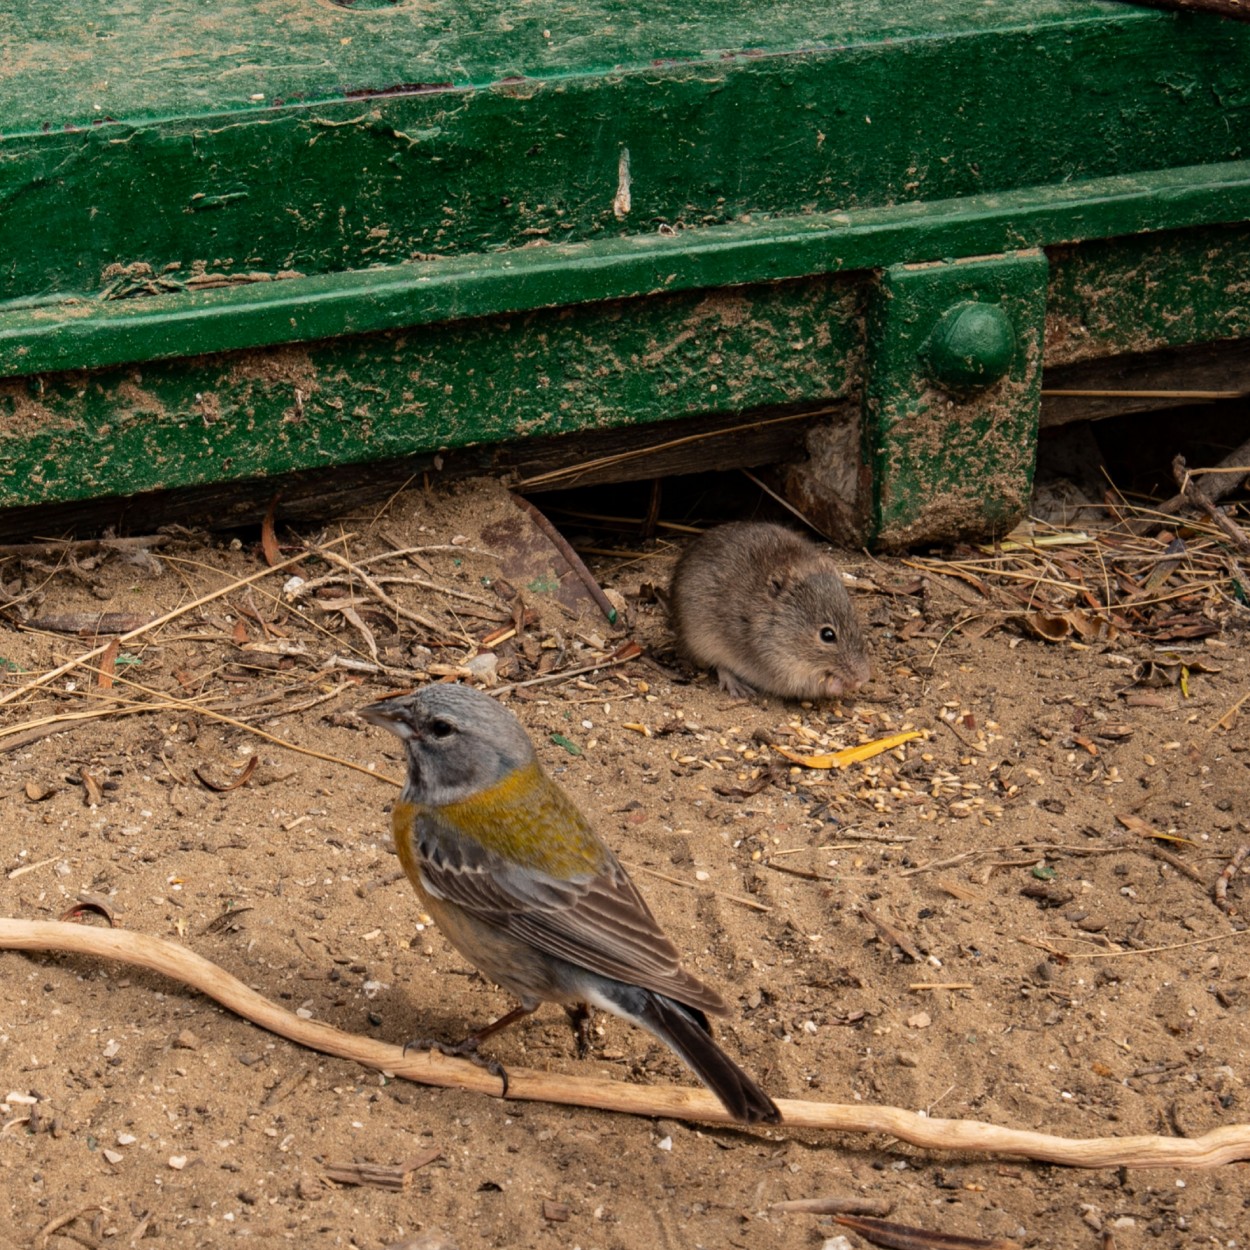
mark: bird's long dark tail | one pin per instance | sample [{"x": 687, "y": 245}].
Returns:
[{"x": 687, "y": 1032}]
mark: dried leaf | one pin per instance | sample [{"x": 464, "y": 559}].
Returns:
[
  {"x": 1182, "y": 627},
  {"x": 268, "y": 539},
  {"x": 905, "y": 1237},
  {"x": 1056, "y": 626},
  {"x": 850, "y": 755},
  {"x": 1134, "y": 824},
  {"x": 104, "y": 675},
  {"x": 227, "y": 921},
  {"x": 1048, "y": 628},
  {"x": 1169, "y": 671},
  {"x": 1022, "y": 539}
]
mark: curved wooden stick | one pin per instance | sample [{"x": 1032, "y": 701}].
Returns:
[{"x": 1222, "y": 1145}]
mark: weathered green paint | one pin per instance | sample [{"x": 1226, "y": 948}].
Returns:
[
  {"x": 1167, "y": 289},
  {"x": 89, "y": 334},
  {"x": 226, "y": 137},
  {"x": 946, "y": 463},
  {"x": 251, "y": 236},
  {"x": 248, "y": 414}
]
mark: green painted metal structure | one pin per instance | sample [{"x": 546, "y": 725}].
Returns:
[{"x": 257, "y": 236}]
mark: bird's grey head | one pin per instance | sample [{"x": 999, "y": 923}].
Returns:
[{"x": 459, "y": 741}]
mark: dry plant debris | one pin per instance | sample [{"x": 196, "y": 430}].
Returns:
[{"x": 1030, "y": 916}]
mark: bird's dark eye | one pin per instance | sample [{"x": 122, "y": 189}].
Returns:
[
  {"x": 828, "y": 634},
  {"x": 442, "y": 728}
]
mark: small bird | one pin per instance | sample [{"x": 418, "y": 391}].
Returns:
[{"x": 524, "y": 889}]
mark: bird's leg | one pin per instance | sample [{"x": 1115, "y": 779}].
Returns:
[
  {"x": 467, "y": 1049},
  {"x": 497, "y": 1026},
  {"x": 580, "y": 1016}
]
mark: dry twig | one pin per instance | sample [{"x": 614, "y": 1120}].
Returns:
[
  {"x": 68, "y": 667},
  {"x": 1194, "y": 495},
  {"x": 1223, "y": 1145},
  {"x": 417, "y": 618},
  {"x": 1224, "y": 880}
]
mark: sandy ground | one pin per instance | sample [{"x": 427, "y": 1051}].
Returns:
[{"x": 1089, "y": 1000}]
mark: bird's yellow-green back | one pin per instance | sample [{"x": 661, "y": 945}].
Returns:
[{"x": 526, "y": 818}]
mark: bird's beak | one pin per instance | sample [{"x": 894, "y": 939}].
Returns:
[{"x": 392, "y": 714}]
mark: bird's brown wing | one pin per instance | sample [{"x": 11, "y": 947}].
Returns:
[{"x": 596, "y": 920}]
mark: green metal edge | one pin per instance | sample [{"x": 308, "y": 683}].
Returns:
[
  {"x": 173, "y": 57},
  {"x": 84, "y": 335},
  {"x": 166, "y": 424}
]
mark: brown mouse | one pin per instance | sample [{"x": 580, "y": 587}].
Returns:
[{"x": 767, "y": 610}]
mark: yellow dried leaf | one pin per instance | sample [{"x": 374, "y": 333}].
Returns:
[
  {"x": 1023, "y": 540},
  {"x": 1135, "y": 824},
  {"x": 851, "y": 755}
]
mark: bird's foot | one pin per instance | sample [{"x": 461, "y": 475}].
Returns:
[
  {"x": 466, "y": 1049},
  {"x": 580, "y": 1016}
]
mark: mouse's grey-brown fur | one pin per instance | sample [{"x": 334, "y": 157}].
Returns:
[{"x": 768, "y": 611}]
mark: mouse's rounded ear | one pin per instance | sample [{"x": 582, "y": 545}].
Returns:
[{"x": 777, "y": 582}]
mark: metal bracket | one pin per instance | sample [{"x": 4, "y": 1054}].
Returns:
[{"x": 951, "y": 395}]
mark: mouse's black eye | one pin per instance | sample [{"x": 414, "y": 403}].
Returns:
[
  {"x": 442, "y": 728},
  {"x": 828, "y": 634}
]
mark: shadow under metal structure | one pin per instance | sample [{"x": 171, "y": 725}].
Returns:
[{"x": 260, "y": 240}]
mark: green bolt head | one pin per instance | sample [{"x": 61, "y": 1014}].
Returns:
[{"x": 971, "y": 348}]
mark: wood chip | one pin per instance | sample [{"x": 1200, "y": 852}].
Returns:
[
  {"x": 834, "y": 1206},
  {"x": 104, "y": 674},
  {"x": 892, "y": 934},
  {"x": 93, "y": 792},
  {"x": 268, "y": 539},
  {"x": 393, "y": 1176},
  {"x": 91, "y": 903}
]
